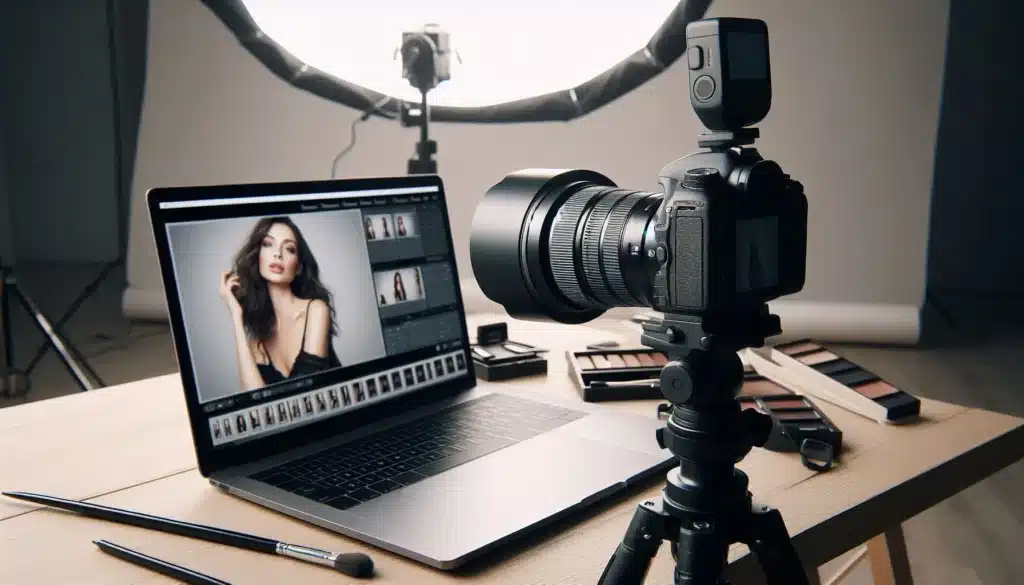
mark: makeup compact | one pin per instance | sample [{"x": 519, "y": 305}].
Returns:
[
  {"x": 497, "y": 358},
  {"x": 813, "y": 370},
  {"x": 616, "y": 374}
]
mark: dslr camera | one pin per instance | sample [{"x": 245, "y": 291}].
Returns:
[{"x": 726, "y": 234}]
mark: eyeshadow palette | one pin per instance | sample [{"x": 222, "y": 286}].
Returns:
[
  {"x": 616, "y": 374},
  {"x": 811, "y": 369},
  {"x": 755, "y": 384},
  {"x": 799, "y": 427}
]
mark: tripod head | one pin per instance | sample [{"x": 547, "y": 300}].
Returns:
[{"x": 705, "y": 373}]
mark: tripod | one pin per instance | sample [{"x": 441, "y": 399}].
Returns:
[
  {"x": 705, "y": 506},
  {"x": 16, "y": 382}
]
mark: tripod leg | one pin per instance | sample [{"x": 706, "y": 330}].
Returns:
[
  {"x": 769, "y": 540},
  {"x": 81, "y": 360},
  {"x": 702, "y": 554},
  {"x": 632, "y": 559},
  {"x": 59, "y": 345},
  {"x": 69, "y": 313}
]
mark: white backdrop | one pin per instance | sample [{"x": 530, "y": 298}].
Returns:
[{"x": 854, "y": 118}]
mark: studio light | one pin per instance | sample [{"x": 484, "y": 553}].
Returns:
[{"x": 523, "y": 61}]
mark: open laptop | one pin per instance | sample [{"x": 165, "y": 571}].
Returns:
[{"x": 359, "y": 410}]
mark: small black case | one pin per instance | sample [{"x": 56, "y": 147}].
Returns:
[
  {"x": 508, "y": 370},
  {"x": 493, "y": 361}
]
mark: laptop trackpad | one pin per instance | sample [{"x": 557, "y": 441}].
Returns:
[{"x": 453, "y": 514}]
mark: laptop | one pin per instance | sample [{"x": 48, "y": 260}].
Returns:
[{"x": 322, "y": 343}]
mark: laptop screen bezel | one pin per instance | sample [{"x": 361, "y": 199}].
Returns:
[{"x": 212, "y": 460}]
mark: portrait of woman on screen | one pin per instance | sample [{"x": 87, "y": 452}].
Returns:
[{"x": 282, "y": 314}]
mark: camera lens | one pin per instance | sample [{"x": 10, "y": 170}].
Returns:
[{"x": 563, "y": 245}]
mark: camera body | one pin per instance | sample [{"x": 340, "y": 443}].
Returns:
[{"x": 730, "y": 235}]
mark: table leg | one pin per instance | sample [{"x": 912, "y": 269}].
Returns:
[
  {"x": 813, "y": 576},
  {"x": 887, "y": 554}
]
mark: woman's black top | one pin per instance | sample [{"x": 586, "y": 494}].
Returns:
[{"x": 305, "y": 363}]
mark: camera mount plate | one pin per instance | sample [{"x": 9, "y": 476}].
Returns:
[{"x": 740, "y": 137}]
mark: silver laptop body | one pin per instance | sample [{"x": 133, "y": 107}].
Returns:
[{"x": 494, "y": 463}]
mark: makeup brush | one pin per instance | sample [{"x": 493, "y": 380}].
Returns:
[{"x": 351, "y": 564}]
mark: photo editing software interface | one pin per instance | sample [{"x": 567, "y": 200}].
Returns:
[{"x": 381, "y": 261}]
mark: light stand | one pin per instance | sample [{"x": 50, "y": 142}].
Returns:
[
  {"x": 15, "y": 382},
  {"x": 423, "y": 162},
  {"x": 426, "y": 62}
]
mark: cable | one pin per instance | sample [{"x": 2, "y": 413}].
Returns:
[
  {"x": 347, "y": 149},
  {"x": 352, "y": 133}
]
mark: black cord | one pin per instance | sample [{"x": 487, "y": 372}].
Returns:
[
  {"x": 347, "y": 149},
  {"x": 352, "y": 133}
]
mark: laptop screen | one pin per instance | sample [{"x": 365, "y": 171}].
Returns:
[{"x": 299, "y": 307}]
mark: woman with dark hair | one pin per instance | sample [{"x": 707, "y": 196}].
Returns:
[
  {"x": 370, "y": 234},
  {"x": 399, "y": 288},
  {"x": 282, "y": 314},
  {"x": 419, "y": 284},
  {"x": 400, "y": 223},
  {"x": 384, "y": 224}
]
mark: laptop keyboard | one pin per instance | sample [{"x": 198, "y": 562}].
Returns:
[{"x": 357, "y": 472}]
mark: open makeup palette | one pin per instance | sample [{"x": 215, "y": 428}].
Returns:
[
  {"x": 810, "y": 369},
  {"x": 616, "y": 374}
]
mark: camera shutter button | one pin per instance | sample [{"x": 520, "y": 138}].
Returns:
[{"x": 704, "y": 88}]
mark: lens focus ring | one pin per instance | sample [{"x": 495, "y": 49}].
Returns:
[
  {"x": 594, "y": 240},
  {"x": 562, "y": 242},
  {"x": 611, "y": 243}
]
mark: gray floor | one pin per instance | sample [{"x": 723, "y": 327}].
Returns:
[{"x": 978, "y": 361}]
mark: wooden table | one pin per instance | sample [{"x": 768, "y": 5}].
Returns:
[{"x": 129, "y": 446}]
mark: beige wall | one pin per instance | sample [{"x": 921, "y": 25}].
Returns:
[{"x": 856, "y": 98}]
